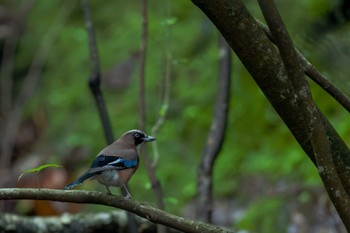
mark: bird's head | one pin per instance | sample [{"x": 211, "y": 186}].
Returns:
[{"x": 137, "y": 137}]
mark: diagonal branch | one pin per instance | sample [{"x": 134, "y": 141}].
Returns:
[
  {"x": 316, "y": 76},
  {"x": 143, "y": 210},
  {"x": 326, "y": 84}
]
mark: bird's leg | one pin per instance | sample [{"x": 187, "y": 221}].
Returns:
[
  {"x": 108, "y": 191},
  {"x": 127, "y": 194}
]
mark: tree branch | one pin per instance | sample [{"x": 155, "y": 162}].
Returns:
[
  {"x": 150, "y": 168},
  {"x": 315, "y": 75},
  {"x": 326, "y": 84},
  {"x": 143, "y": 210}
]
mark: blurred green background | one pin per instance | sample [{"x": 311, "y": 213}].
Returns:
[{"x": 263, "y": 181}]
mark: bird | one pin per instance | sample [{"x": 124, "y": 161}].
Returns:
[{"x": 116, "y": 163}]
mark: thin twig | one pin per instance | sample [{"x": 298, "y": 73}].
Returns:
[
  {"x": 315, "y": 75},
  {"x": 215, "y": 137},
  {"x": 142, "y": 209},
  {"x": 164, "y": 108},
  {"x": 327, "y": 85},
  {"x": 150, "y": 169},
  {"x": 314, "y": 125},
  {"x": 166, "y": 85}
]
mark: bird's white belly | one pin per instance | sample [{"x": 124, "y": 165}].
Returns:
[{"x": 109, "y": 178}]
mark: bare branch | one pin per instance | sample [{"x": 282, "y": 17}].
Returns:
[
  {"x": 164, "y": 108},
  {"x": 216, "y": 135},
  {"x": 150, "y": 168},
  {"x": 327, "y": 85},
  {"x": 143, "y": 210},
  {"x": 166, "y": 86},
  {"x": 315, "y": 75}
]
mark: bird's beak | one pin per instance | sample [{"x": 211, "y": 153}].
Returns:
[{"x": 149, "y": 139}]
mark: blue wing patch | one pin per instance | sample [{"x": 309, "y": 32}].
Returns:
[{"x": 130, "y": 163}]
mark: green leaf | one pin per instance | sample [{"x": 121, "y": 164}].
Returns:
[{"x": 38, "y": 169}]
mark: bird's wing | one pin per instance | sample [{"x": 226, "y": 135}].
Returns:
[{"x": 105, "y": 163}]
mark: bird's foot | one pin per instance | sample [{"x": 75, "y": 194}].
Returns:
[
  {"x": 126, "y": 192},
  {"x": 108, "y": 191}
]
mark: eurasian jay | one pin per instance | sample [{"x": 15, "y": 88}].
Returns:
[{"x": 116, "y": 163}]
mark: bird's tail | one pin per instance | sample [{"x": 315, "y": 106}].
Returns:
[{"x": 79, "y": 180}]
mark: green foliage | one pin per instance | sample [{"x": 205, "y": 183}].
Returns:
[{"x": 257, "y": 142}]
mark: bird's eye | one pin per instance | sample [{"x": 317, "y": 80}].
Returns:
[{"x": 136, "y": 135}]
